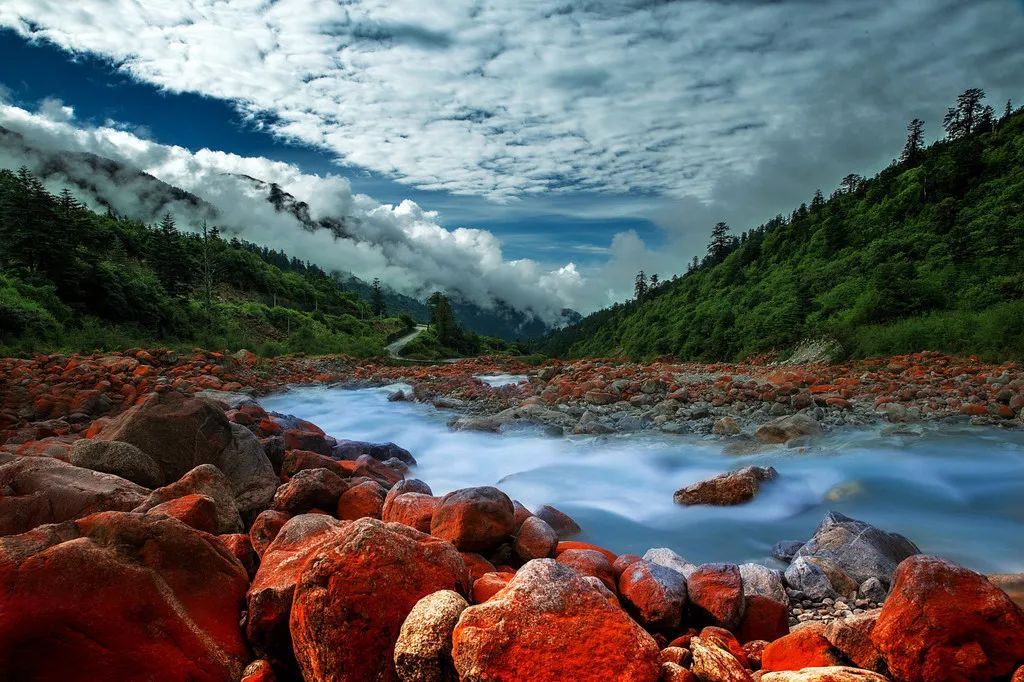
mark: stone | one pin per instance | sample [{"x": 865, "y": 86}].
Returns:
[
  {"x": 944, "y": 622},
  {"x": 120, "y": 459},
  {"x": 673, "y": 672},
  {"x": 763, "y": 619},
  {"x": 205, "y": 480},
  {"x": 852, "y": 636},
  {"x": 489, "y": 584},
  {"x": 861, "y": 550},
  {"x": 786, "y": 428},
  {"x": 239, "y": 546},
  {"x": 872, "y": 589},
  {"x": 656, "y": 596},
  {"x": 355, "y": 592},
  {"x": 423, "y": 651},
  {"x": 535, "y": 540},
  {"x": 786, "y": 550},
  {"x": 519, "y": 515},
  {"x": 726, "y": 426},
  {"x": 120, "y": 596},
  {"x": 560, "y": 521},
  {"x": 664, "y": 556},
  {"x": 802, "y": 648},
  {"x": 732, "y": 488},
  {"x": 550, "y": 625},
  {"x": 265, "y": 528},
  {"x": 716, "y": 595},
  {"x": 197, "y": 511},
  {"x": 476, "y": 564},
  {"x": 363, "y": 500},
  {"x": 826, "y": 674},
  {"x": 415, "y": 510},
  {"x": 39, "y": 490},
  {"x": 763, "y": 581},
  {"x": 474, "y": 519},
  {"x": 807, "y": 577},
  {"x": 259, "y": 670},
  {"x": 310, "y": 489},
  {"x": 714, "y": 663},
  {"x": 382, "y": 452},
  {"x": 589, "y": 562}
]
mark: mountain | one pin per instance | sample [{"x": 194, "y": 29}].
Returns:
[
  {"x": 133, "y": 193},
  {"x": 927, "y": 255}
]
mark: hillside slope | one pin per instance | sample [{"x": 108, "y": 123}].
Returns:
[{"x": 929, "y": 254}]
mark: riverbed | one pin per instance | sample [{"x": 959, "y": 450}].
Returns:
[{"x": 954, "y": 489}]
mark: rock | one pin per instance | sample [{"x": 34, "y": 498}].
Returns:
[
  {"x": 663, "y": 556},
  {"x": 763, "y": 618},
  {"x": 841, "y": 582},
  {"x": 265, "y": 528},
  {"x": 259, "y": 670},
  {"x": 713, "y": 663},
  {"x": 861, "y": 550},
  {"x": 716, "y": 595},
  {"x": 550, "y": 625},
  {"x": 120, "y": 596},
  {"x": 677, "y": 655},
  {"x": 205, "y": 480},
  {"x": 944, "y": 622},
  {"x": 363, "y": 500},
  {"x": 120, "y": 459},
  {"x": 489, "y": 584},
  {"x": 656, "y": 596},
  {"x": 726, "y": 426},
  {"x": 753, "y": 650},
  {"x": 40, "y": 490},
  {"x": 567, "y": 545},
  {"x": 761, "y": 580},
  {"x": 415, "y": 510},
  {"x": 785, "y": 428},
  {"x": 310, "y": 489},
  {"x": 589, "y": 562},
  {"x": 519, "y": 514},
  {"x": 734, "y": 487},
  {"x": 673, "y": 672},
  {"x": 807, "y": 577},
  {"x": 872, "y": 589},
  {"x": 474, "y": 519},
  {"x": 423, "y": 652},
  {"x": 382, "y": 452},
  {"x": 535, "y": 540},
  {"x": 803, "y": 648},
  {"x": 356, "y": 591},
  {"x": 622, "y": 562},
  {"x": 786, "y": 550},
  {"x": 197, "y": 511},
  {"x": 829, "y": 674},
  {"x": 239, "y": 546},
  {"x": 561, "y": 522},
  {"x": 1012, "y": 584},
  {"x": 269, "y": 600},
  {"x": 852, "y": 636},
  {"x": 476, "y": 564}
]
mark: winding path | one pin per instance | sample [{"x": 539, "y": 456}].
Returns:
[{"x": 395, "y": 346}]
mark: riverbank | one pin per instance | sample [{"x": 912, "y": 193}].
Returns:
[{"x": 124, "y": 473}]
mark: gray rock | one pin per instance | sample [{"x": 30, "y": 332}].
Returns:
[
  {"x": 861, "y": 550},
  {"x": 232, "y": 400},
  {"x": 121, "y": 459},
  {"x": 786, "y": 550},
  {"x": 873, "y": 590},
  {"x": 250, "y": 472},
  {"x": 808, "y": 578},
  {"x": 763, "y": 581},
  {"x": 663, "y": 556},
  {"x": 382, "y": 452},
  {"x": 205, "y": 479},
  {"x": 785, "y": 428},
  {"x": 423, "y": 652}
]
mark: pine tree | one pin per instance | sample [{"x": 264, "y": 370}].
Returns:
[
  {"x": 208, "y": 270},
  {"x": 851, "y": 183},
  {"x": 915, "y": 141},
  {"x": 377, "y": 299},
  {"x": 1008, "y": 110},
  {"x": 818, "y": 200},
  {"x": 722, "y": 242},
  {"x": 964, "y": 118},
  {"x": 443, "y": 321},
  {"x": 640, "y": 286},
  {"x": 987, "y": 121},
  {"x": 654, "y": 281}
]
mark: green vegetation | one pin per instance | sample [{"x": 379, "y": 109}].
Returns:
[
  {"x": 444, "y": 338},
  {"x": 71, "y": 279},
  {"x": 929, "y": 254}
]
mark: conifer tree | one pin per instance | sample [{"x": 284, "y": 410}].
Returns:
[
  {"x": 377, "y": 299},
  {"x": 915, "y": 141}
]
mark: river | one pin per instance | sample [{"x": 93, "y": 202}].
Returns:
[{"x": 955, "y": 490}]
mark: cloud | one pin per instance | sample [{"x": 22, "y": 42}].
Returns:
[{"x": 402, "y": 244}]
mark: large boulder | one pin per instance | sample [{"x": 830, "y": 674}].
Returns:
[
  {"x": 732, "y": 488},
  {"x": 944, "y": 622},
  {"x": 802, "y": 648},
  {"x": 423, "y": 652},
  {"x": 310, "y": 489},
  {"x": 355, "y": 592},
  {"x": 835, "y": 673},
  {"x": 852, "y": 636},
  {"x": 40, "y": 490},
  {"x": 762, "y": 581},
  {"x": 535, "y": 539},
  {"x": 180, "y": 433},
  {"x": 382, "y": 452},
  {"x": 808, "y": 578},
  {"x": 663, "y": 556},
  {"x": 474, "y": 519},
  {"x": 861, "y": 550},
  {"x": 787, "y": 428},
  {"x": 120, "y": 596},
  {"x": 713, "y": 662},
  {"x": 205, "y": 480},
  {"x": 655, "y": 595},
  {"x": 269, "y": 599},
  {"x": 415, "y": 510},
  {"x": 716, "y": 595},
  {"x": 117, "y": 458},
  {"x": 550, "y": 624}
]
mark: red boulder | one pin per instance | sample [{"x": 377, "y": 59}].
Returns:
[{"x": 474, "y": 519}]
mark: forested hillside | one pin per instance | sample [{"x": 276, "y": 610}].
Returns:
[
  {"x": 929, "y": 254},
  {"x": 74, "y": 279}
]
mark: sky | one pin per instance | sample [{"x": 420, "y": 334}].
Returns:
[{"x": 545, "y": 150}]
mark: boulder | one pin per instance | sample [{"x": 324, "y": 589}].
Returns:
[
  {"x": 550, "y": 625},
  {"x": 563, "y": 524},
  {"x": 239, "y": 546},
  {"x": 356, "y": 591},
  {"x": 763, "y": 581},
  {"x": 656, "y": 596},
  {"x": 423, "y": 652},
  {"x": 474, "y": 519},
  {"x": 382, "y": 452},
  {"x": 588, "y": 562},
  {"x": 476, "y": 564},
  {"x": 535, "y": 540},
  {"x": 269, "y": 600},
  {"x": 120, "y": 459},
  {"x": 716, "y": 595},
  {"x": 861, "y": 550},
  {"x": 415, "y": 510},
  {"x": 807, "y": 577},
  {"x": 489, "y": 584},
  {"x": 120, "y": 596},
  {"x": 205, "y": 480},
  {"x": 715, "y": 663},
  {"x": 197, "y": 511},
  {"x": 663, "y": 556},
  {"x": 310, "y": 489},
  {"x": 40, "y": 490},
  {"x": 785, "y": 550},
  {"x": 265, "y": 528},
  {"x": 944, "y": 622},
  {"x": 364, "y": 499},
  {"x": 786, "y": 428},
  {"x": 852, "y": 636},
  {"x": 802, "y": 648},
  {"x": 732, "y": 488},
  {"x": 830, "y": 674},
  {"x": 763, "y": 618}
]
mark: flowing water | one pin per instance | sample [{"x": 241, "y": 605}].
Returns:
[{"x": 955, "y": 490}]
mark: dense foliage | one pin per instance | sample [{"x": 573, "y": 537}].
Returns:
[
  {"x": 929, "y": 254},
  {"x": 74, "y": 279},
  {"x": 445, "y": 337}
]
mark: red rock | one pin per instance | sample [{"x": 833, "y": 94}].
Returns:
[
  {"x": 566, "y": 545},
  {"x": 476, "y": 565},
  {"x": 206, "y": 480},
  {"x": 489, "y": 584},
  {"x": 764, "y": 618},
  {"x": 474, "y": 519},
  {"x": 560, "y": 521},
  {"x": 310, "y": 489},
  {"x": 363, "y": 500},
  {"x": 591, "y": 562},
  {"x": 716, "y": 594},
  {"x": 519, "y": 514},
  {"x": 944, "y": 622},
  {"x": 309, "y": 440},
  {"x": 654, "y": 595},
  {"x": 265, "y": 528},
  {"x": 724, "y": 640},
  {"x": 804, "y": 648},
  {"x": 974, "y": 410},
  {"x": 852, "y": 636},
  {"x": 269, "y": 599},
  {"x": 535, "y": 539},
  {"x": 259, "y": 671},
  {"x": 415, "y": 510},
  {"x": 240, "y": 547},
  {"x": 120, "y": 596},
  {"x": 197, "y": 511},
  {"x": 673, "y": 672},
  {"x": 299, "y": 460},
  {"x": 753, "y": 650},
  {"x": 550, "y": 625},
  {"x": 622, "y": 562},
  {"x": 355, "y": 592}
]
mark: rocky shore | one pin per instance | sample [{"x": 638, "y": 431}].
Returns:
[{"x": 156, "y": 523}]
